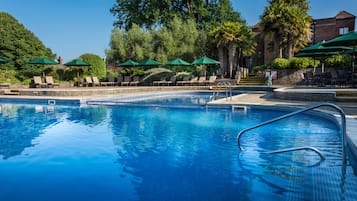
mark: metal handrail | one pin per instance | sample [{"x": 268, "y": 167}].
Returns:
[
  {"x": 322, "y": 156},
  {"x": 340, "y": 110},
  {"x": 228, "y": 88}
]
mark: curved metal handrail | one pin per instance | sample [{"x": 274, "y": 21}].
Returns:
[
  {"x": 340, "y": 110},
  {"x": 297, "y": 149},
  {"x": 227, "y": 87}
]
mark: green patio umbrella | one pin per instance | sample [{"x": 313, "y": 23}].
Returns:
[
  {"x": 205, "y": 61},
  {"x": 42, "y": 61},
  {"x": 350, "y": 40},
  {"x": 149, "y": 62},
  {"x": 3, "y": 60},
  {"x": 128, "y": 63},
  {"x": 321, "y": 52},
  {"x": 318, "y": 55},
  {"x": 177, "y": 62},
  {"x": 77, "y": 63}
]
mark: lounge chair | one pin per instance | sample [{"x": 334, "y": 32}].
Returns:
[
  {"x": 96, "y": 82},
  {"x": 193, "y": 81},
  {"x": 202, "y": 80},
  {"x": 159, "y": 82},
  {"x": 5, "y": 85},
  {"x": 135, "y": 82},
  {"x": 172, "y": 81},
  {"x": 211, "y": 80},
  {"x": 88, "y": 81},
  {"x": 126, "y": 81},
  {"x": 119, "y": 80},
  {"x": 111, "y": 81},
  {"x": 38, "y": 82},
  {"x": 50, "y": 82},
  {"x": 186, "y": 80}
]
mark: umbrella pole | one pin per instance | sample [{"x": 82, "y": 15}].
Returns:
[{"x": 353, "y": 69}]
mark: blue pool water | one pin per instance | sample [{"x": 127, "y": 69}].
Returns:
[
  {"x": 99, "y": 153},
  {"x": 168, "y": 99}
]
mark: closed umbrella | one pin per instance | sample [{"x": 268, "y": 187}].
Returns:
[
  {"x": 350, "y": 40},
  {"x": 77, "y": 63}
]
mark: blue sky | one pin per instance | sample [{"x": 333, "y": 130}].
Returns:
[{"x": 74, "y": 27}]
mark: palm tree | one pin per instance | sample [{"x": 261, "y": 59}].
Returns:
[
  {"x": 231, "y": 40},
  {"x": 288, "y": 23}
]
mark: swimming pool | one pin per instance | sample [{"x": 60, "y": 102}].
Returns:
[{"x": 158, "y": 153}]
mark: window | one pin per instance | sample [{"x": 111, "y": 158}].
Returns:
[{"x": 343, "y": 30}]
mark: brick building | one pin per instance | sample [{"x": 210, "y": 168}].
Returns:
[
  {"x": 329, "y": 28},
  {"x": 322, "y": 29}
]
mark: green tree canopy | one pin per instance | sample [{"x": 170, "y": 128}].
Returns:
[
  {"x": 176, "y": 39},
  {"x": 97, "y": 68},
  {"x": 20, "y": 45},
  {"x": 153, "y": 13}
]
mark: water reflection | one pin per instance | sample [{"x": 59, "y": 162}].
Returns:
[
  {"x": 19, "y": 125},
  {"x": 178, "y": 154}
]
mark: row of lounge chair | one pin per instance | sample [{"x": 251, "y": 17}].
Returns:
[
  {"x": 197, "y": 81},
  {"x": 124, "y": 81},
  {"x": 48, "y": 83}
]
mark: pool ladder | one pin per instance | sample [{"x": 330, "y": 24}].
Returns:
[
  {"x": 322, "y": 157},
  {"x": 222, "y": 85}
]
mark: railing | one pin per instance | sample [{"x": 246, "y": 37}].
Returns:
[
  {"x": 343, "y": 122},
  {"x": 227, "y": 88}
]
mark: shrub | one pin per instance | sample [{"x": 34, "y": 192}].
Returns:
[
  {"x": 338, "y": 61},
  {"x": 111, "y": 73},
  {"x": 97, "y": 68},
  {"x": 303, "y": 62},
  {"x": 280, "y": 63}
]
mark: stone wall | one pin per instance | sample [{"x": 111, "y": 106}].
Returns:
[{"x": 290, "y": 77}]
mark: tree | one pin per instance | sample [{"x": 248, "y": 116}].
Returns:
[
  {"x": 153, "y": 13},
  {"x": 20, "y": 45},
  {"x": 288, "y": 23},
  {"x": 97, "y": 68},
  {"x": 176, "y": 39},
  {"x": 135, "y": 44},
  {"x": 233, "y": 41}
]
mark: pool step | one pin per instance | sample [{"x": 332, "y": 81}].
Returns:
[
  {"x": 252, "y": 80},
  {"x": 12, "y": 92},
  {"x": 346, "y": 96}
]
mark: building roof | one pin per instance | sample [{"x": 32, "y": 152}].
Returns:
[{"x": 344, "y": 14}]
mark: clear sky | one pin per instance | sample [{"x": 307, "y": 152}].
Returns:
[{"x": 74, "y": 27}]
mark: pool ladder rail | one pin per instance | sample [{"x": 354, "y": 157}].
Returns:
[
  {"x": 322, "y": 157},
  {"x": 222, "y": 85}
]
